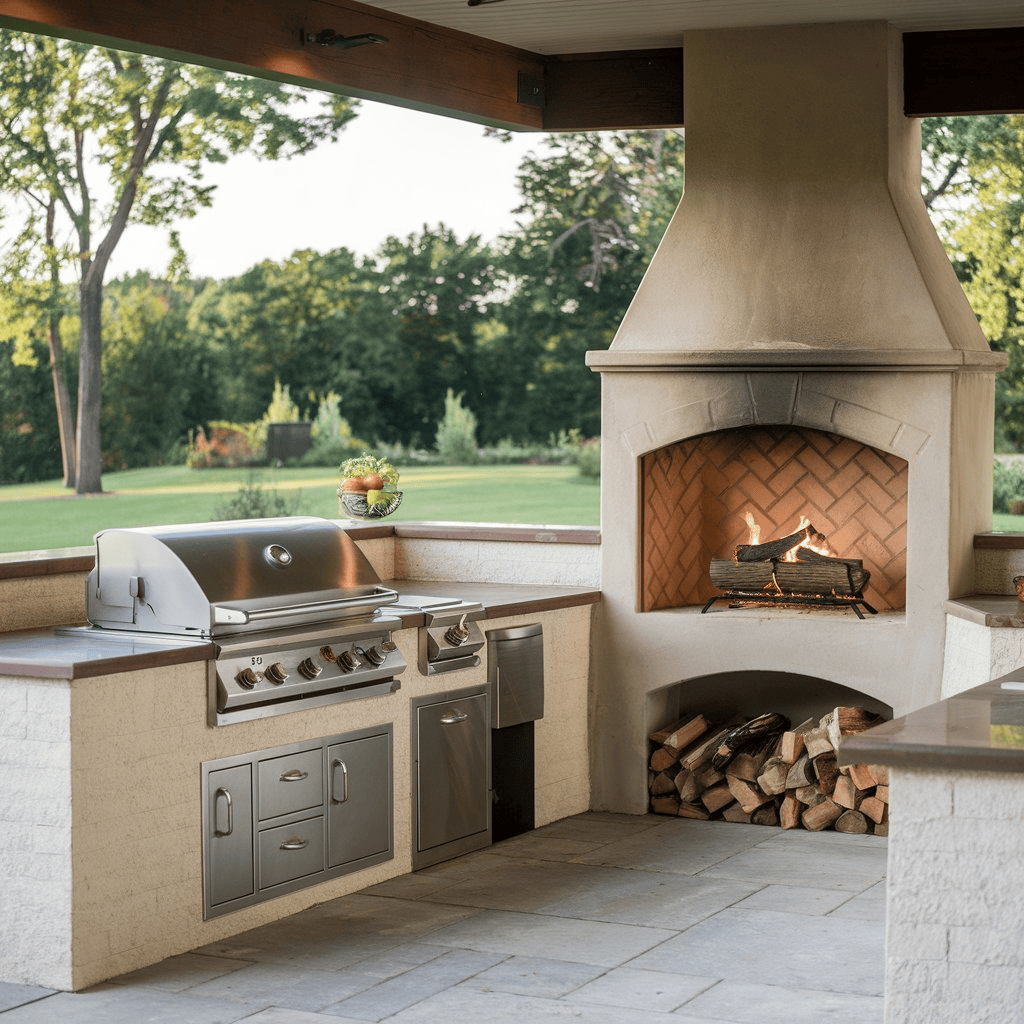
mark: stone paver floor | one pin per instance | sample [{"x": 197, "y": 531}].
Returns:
[{"x": 600, "y": 918}]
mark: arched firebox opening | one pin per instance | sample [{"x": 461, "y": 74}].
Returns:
[{"x": 698, "y": 494}]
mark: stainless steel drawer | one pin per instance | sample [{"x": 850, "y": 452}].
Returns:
[
  {"x": 291, "y": 851},
  {"x": 290, "y": 783}
]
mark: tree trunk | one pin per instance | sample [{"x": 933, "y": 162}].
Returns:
[
  {"x": 89, "y": 451},
  {"x": 62, "y": 399}
]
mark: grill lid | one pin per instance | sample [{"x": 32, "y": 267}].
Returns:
[{"x": 214, "y": 578}]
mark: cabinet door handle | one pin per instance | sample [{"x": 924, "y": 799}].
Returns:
[
  {"x": 453, "y": 717},
  {"x": 335, "y": 765},
  {"x": 231, "y": 813},
  {"x": 295, "y": 775},
  {"x": 295, "y": 843}
]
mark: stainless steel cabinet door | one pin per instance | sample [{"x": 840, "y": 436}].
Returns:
[
  {"x": 229, "y": 843},
  {"x": 452, "y": 770},
  {"x": 359, "y": 799}
]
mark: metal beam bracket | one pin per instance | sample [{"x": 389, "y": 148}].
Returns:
[{"x": 531, "y": 90}]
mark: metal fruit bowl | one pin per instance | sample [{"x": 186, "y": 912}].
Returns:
[{"x": 354, "y": 505}]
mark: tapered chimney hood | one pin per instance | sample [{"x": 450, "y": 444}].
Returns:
[{"x": 802, "y": 237}]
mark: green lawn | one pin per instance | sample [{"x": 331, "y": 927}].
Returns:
[{"x": 45, "y": 516}]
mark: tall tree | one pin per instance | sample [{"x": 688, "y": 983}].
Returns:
[
  {"x": 595, "y": 207},
  {"x": 974, "y": 185},
  {"x": 71, "y": 115}
]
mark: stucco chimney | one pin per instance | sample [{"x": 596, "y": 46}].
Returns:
[{"x": 802, "y": 224}]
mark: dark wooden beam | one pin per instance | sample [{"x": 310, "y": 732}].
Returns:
[
  {"x": 633, "y": 89},
  {"x": 429, "y": 68},
  {"x": 964, "y": 72},
  {"x": 421, "y": 66}
]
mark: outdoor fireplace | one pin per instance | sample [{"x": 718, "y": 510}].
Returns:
[{"x": 799, "y": 347}]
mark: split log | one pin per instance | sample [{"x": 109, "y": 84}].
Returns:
[
  {"x": 748, "y": 795},
  {"x": 717, "y": 797},
  {"x": 688, "y": 787},
  {"x": 800, "y": 774},
  {"x": 821, "y": 815},
  {"x": 775, "y": 548},
  {"x": 755, "y": 732},
  {"x": 809, "y": 795},
  {"x": 847, "y": 794},
  {"x": 678, "y": 736},
  {"x": 861, "y": 776},
  {"x": 662, "y": 785},
  {"x": 848, "y": 722},
  {"x": 852, "y": 823},
  {"x": 664, "y": 805},
  {"x": 789, "y": 811},
  {"x": 816, "y": 742},
  {"x": 703, "y": 750},
  {"x": 773, "y": 776},
  {"x": 827, "y": 772},
  {"x": 736, "y": 814},
  {"x": 746, "y": 766},
  {"x": 881, "y": 829},
  {"x": 882, "y": 793},
  {"x": 873, "y": 808},
  {"x": 791, "y": 745},
  {"x": 662, "y": 759},
  {"x": 707, "y": 776},
  {"x": 881, "y": 774},
  {"x": 766, "y": 814},
  {"x": 692, "y": 811}
]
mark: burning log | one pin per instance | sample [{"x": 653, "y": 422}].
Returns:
[
  {"x": 823, "y": 576},
  {"x": 775, "y": 548}
]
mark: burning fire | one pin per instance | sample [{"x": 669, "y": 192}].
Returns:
[{"x": 816, "y": 542}]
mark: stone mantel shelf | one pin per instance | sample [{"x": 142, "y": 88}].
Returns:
[
  {"x": 768, "y": 360},
  {"x": 962, "y": 733}
]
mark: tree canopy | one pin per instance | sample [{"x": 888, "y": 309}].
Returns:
[{"x": 93, "y": 139}]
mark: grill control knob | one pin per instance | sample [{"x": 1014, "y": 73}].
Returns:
[
  {"x": 247, "y": 678},
  {"x": 276, "y": 673},
  {"x": 309, "y": 668},
  {"x": 347, "y": 661},
  {"x": 457, "y": 635},
  {"x": 377, "y": 654}
]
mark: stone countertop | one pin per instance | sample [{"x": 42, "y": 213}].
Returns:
[
  {"x": 993, "y": 610},
  {"x": 81, "y": 652},
  {"x": 981, "y": 729}
]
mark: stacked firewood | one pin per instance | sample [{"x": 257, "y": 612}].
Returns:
[{"x": 765, "y": 771}]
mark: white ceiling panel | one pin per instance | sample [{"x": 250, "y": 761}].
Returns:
[{"x": 585, "y": 26}]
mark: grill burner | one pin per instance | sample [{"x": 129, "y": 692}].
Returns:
[{"x": 294, "y": 607}]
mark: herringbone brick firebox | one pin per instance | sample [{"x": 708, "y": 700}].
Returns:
[{"x": 695, "y": 493}]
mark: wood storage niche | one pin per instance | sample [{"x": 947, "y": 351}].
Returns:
[{"x": 696, "y": 492}]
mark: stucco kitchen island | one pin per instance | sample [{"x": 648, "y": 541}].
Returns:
[
  {"x": 955, "y": 898},
  {"x": 102, "y": 754}
]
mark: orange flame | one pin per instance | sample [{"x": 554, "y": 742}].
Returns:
[{"x": 816, "y": 542}]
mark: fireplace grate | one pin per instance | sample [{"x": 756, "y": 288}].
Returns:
[{"x": 740, "y": 598}]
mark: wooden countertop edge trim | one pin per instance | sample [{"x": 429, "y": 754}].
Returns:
[{"x": 999, "y": 541}]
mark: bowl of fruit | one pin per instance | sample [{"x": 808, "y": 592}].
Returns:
[{"x": 369, "y": 488}]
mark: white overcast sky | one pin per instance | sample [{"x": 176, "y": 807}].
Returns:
[{"x": 391, "y": 172}]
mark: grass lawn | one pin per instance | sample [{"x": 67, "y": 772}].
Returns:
[{"x": 44, "y": 516}]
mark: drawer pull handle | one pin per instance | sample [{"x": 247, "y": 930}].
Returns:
[
  {"x": 454, "y": 717},
  {"x": 295, "y": 843},
  {"x": 231, "y": 813},
  {"x": 295, "y": 775},
  {"x": 335, "y": 765}
]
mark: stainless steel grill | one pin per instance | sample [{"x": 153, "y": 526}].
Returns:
[{"x": 294, "y": 607}]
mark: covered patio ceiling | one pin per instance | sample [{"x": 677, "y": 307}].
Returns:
[{"x": 537, "y": 65}]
